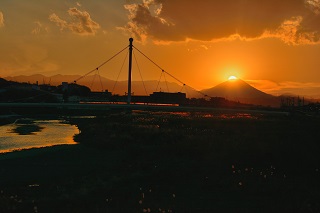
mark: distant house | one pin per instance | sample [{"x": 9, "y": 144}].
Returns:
[
  {"x": 97, "y": 96},
  {"x": 106, "y": 93},
  {"x": 168, "y": 98}
]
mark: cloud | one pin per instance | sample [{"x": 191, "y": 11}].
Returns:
[
  {"x": 313, "y": 5},
  {"x": 1, "y": 19},
  {"x": 39, "y": 28},
  {"x": 293, "y": 21},
  {"x": 292, "y": 32},
  {"x": 142, "y": 22},
  {"x": 81, "y": 22},
  {"x": 308, "y": 89},
  {"x": 26, "y": 58}
]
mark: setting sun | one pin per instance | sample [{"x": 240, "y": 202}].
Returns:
[{"x": 232, "y": 77}]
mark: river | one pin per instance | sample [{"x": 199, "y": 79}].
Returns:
[{"x": 36, "y": 133}]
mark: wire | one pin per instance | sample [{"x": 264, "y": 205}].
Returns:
[
  {"x": 187, "y": 92},
  {"x": 166, "y": 82},
  {"x": 100, "y": 81},
  {"x": 145, "y": 89},
  {"x": 183, "y": 86},
  {"x": 94, "y": 77},
  {"x": 159, "y": 81},
  {"x": 75, "y": 81},
  {"x": 115, "y": 83},
  {"x": 163, "y": 71}
]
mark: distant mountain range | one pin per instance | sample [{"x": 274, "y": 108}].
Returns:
[
  {"x": 99, "y": 83},
  {"x": 234, "y": 90}
]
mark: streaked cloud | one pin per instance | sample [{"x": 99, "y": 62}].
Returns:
[
  {"x": 1, "y": 19},
  {"x": 80, "y": 22},
  {"x": 308, "y": 89},
  {"x": 24, "y": 58},
  {"x": 293, "y": 21}
]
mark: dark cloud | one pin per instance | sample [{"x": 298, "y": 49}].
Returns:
[
  {"x": 293, "y": 21},
  {"x": 81, "y": 23}
]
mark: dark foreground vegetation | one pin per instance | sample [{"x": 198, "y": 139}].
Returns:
[{"x": 171, "y": 162}]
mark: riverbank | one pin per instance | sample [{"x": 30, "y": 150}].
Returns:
[
  {"x": 53, "y": 179},
  {"x": 172, "y": 162},
  {"x": 7, "y": 119}
]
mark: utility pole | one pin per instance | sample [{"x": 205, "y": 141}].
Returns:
[{"x": 129, "y": 73}]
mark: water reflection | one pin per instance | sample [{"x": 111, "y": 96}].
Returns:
[
  {"x": 28, "y": 133},
  {"x": 26, "y": 127},
  {"x": 215, "y": 115}
]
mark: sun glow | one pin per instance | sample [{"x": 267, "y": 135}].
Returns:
[{"x": 232, "y": 77}]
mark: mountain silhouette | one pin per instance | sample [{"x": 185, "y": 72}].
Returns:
[
  {"x": 239, "y": 90},
  {"x": 100, "y": 83},
  {"x": 234, "y": 90}
]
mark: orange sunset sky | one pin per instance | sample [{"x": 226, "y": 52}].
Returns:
[{"x": 272, "y": 44}]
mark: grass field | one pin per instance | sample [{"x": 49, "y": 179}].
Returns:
[{"x": 142, "y": 161}]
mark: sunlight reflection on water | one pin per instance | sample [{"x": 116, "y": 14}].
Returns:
[
  {"x": 216, "y": 115},
  {"x": 43, "y": 133}
]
